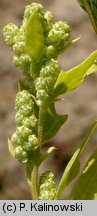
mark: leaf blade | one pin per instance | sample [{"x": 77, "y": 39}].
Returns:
[
  {"x": 74, "y": 77},
  {"x": 86, "y": 186},
  {"x": 34, "y": 37},
  {"x": 52, "y": 124},
  {"x": 68, "y": 175}
]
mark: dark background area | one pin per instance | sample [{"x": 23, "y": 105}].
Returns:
[{"x": 80, "y": 105}]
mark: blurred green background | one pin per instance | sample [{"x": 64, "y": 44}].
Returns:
[{"x": 81, "y": 104}]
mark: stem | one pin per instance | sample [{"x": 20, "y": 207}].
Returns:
[
  {"x": 88, "y": 9},
  {"x": 34, "y": 175},
  {"x": 34, "y": 182}
]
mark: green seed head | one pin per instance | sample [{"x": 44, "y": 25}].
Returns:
[{"x": 47, "y": 186}]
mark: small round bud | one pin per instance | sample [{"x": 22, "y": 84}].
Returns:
[
  {"x": 51, "y": 69},
  {"x": 21, "y": 155},
  {"x": 22, "y": 98},
  {"x": 19, "y": 118},
  {"x": 18, "y": 47},
  {"x": 42, "y": 95},
  {"x": 59, "y": 34},
  {"x": 30, "y": 122},
  {"x": 20, "y": 37},
  {"x": 23, "y": 132},
  {"x": 25, "y": 59},
  {"x": 26, "y": 110},
  {"x": 47, "y": 186},
  {"x": 40, "y": 83},
  {"x": 30, "y": 8},
  {"x": 51, "y": 52},
  {"x": 10, "y": 31},
  {"x": 48, "y": 16},
  {"x": 16, "y": 61},
  {"x": 15, "y": 139},
  {"x": 32, "y": 143}
]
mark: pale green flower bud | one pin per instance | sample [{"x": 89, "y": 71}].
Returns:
[
  {"x": 15, "y": 140},
  {"x": 42, "y": 95},
  {"x": 18, "y": 47},
  {"x": 30, "y": 122},
  {"x": 22, "y": 98},
  {"x": 47, "y": 186},
  {"x": 40, "y": 83},
  {"x": 19, "y": 118},
  {"x": 16, "y": 61},
  {"x": 32, "y": 143},
  {"x": 51, "y": 69},
  {"x": 59, "y": 34},
  {"x": 49, "y": 16},
  {"x": 25, "y": 59},
  {"x": 26, "y": 110},
  {"x": 51, "y": 52},
  {"x": 10, "y": 31},
  {"x": 21, "y": 155},
  {"x": 23, "y": 132},
  {"x": 20, "y": 37},
  {"x": 30, "y": 8}
]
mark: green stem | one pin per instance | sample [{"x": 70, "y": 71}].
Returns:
[
  {"x": 34, "y": 175},
  {"x": 34, "y": 182},
  {"x": 88, "y": 9}
]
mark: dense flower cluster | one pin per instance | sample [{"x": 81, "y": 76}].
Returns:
[
  {"x": 24, "y": 139},
  {"x": 55, "y": 35},
  {"x": 45, "y": 83},
  {"x": 47, "y": 186}
]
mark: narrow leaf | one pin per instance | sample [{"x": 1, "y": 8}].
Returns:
[
  {"x": 92, "y": 69},
  {"x": 67, "y": 46},
  {"x": 53, "y": 123},
  {"x": 86, "y": 186},
  {"x": 74, "y": 77},
  {"x": 73, "y": 166},
  {"x": 34, "y": 37}
]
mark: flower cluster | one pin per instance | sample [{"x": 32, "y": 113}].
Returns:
[
  {"x": 24, "y": 139},
  {"x": 47, "y": 186},
  {"x": 55, "y": 35},
  {"x": 44, "y": 84}
]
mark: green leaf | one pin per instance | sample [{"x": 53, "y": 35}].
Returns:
[
  {"x": 53, "y": 123},
  {"x": 74, "y": 77},
  {"x": 92, "y": 69},
  {"x": 47, "y": 153},
  {"x": 67, "y": 46},
  {"x": 73, "y": 166},
  {"x": 86, "y": 186},
  {"x": 34, "y": 37}
]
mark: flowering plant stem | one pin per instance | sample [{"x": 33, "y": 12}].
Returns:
[{"x": 37, "y": 44}]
